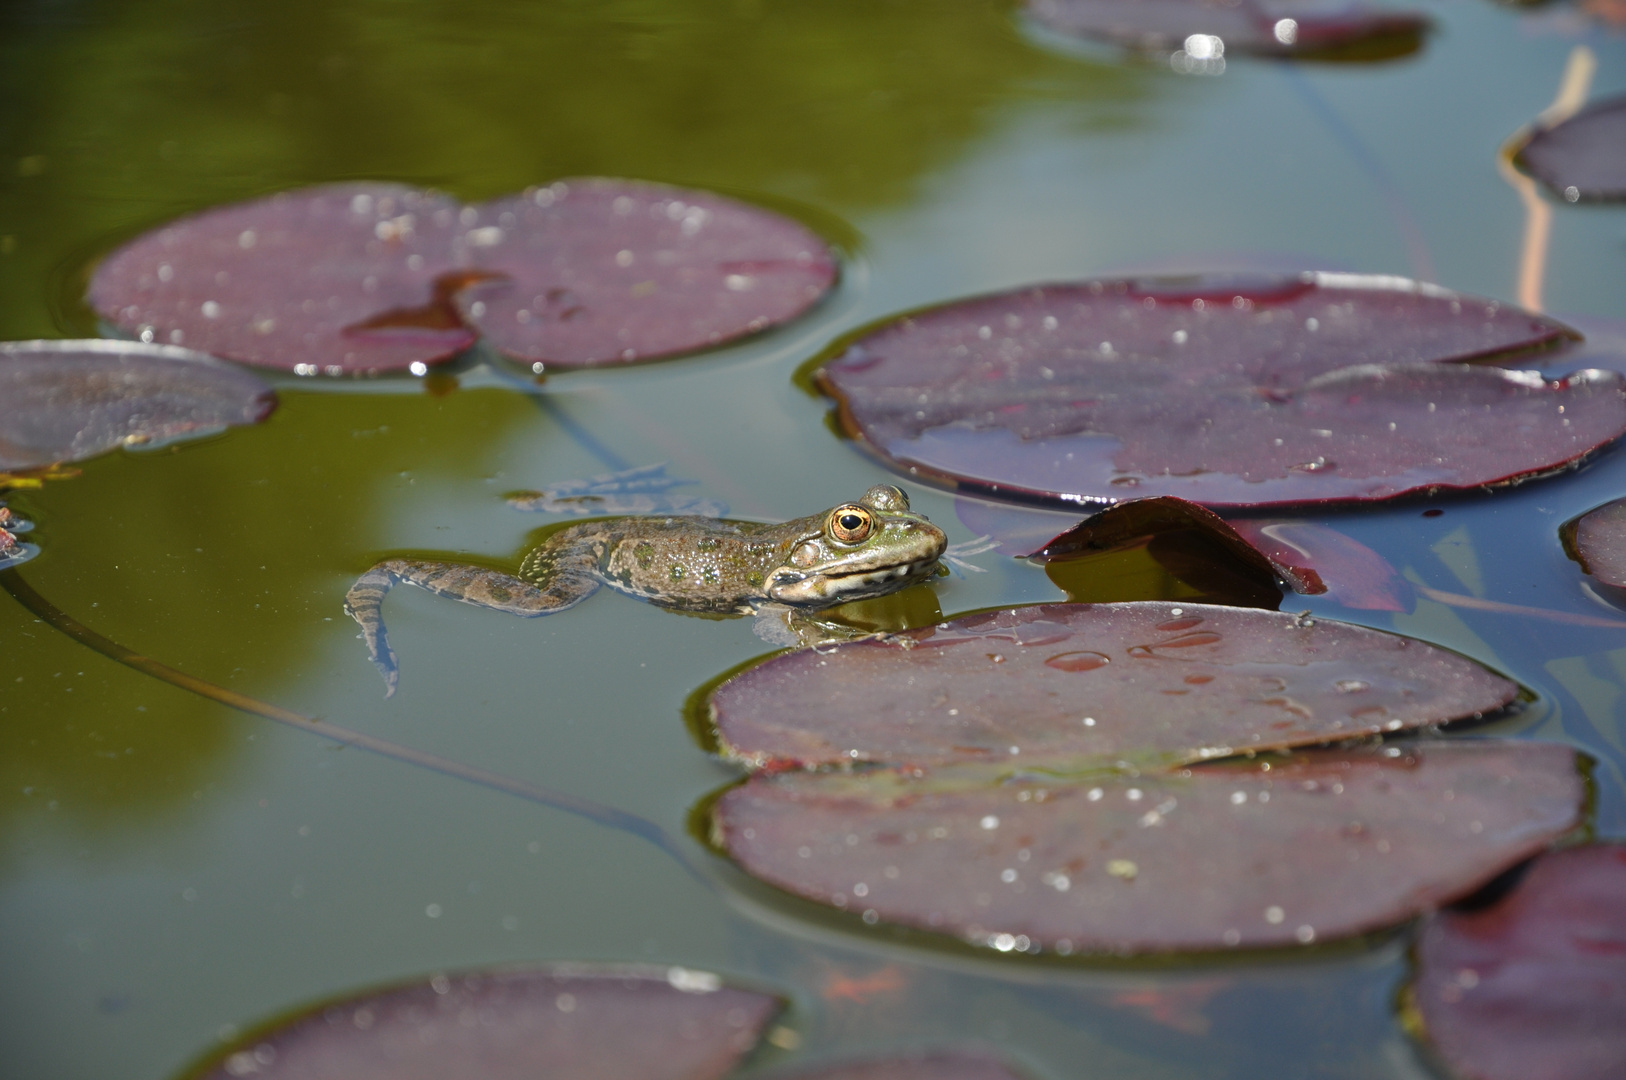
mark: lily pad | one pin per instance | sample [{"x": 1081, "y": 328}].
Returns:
[
  {"x": 1318, "y": 559},
  {"x": 1153, "y": 683},
  {"x": 1535, "y": 984},
  {"x": 563, "y": 1022},
  {"x": 71, "y": 400},
  {"x": 1224, "y": 390},
  {"x": 1269, "y": 28},
  {"x": 1312, "y": 559},
  {"x": 1582, "y": 159},
  {"x": 591, "y": 272},
  {"x": 366, "y": 278},
  {"x": 297, "y": 281},
  {"x": 1597, "y": 540},
  {"x": 1322, "y": 845}
]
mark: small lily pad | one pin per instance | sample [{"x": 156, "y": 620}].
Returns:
[
  {"x": 1321, "y": 845},
  {"x": 591, "y": 272},
  {"x": 339, "y": 279},
  {"x": 1222, "y": 389},
  {"x": 1270, "y": 28},
  {"x": 567, "y": 1022},
  {"x": 1582, "y": 159},
  {"x": 71, "y": 400},
  {"x": 1533, "y": 985},
  {"x": 1597, "y": 540},
  {"x": 1151, "y": 682}
]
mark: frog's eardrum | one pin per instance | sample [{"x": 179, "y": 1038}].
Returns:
[
  {"x": 70, "y": 400},
  {"x": 1227, "y": 390}
]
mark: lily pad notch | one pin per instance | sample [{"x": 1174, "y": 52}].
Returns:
[{"x": 366, "y": 278}]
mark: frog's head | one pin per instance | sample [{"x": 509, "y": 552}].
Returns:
[{"x": 857, "y": 551}]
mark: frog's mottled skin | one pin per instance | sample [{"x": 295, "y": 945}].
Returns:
[{"x": 686, "y": 563}]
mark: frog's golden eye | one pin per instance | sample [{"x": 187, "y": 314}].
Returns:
[{"x": 851, "y": 524}]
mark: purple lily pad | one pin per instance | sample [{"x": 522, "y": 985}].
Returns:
[
  {"x": 1312, "y": 559},
  {"x": 563, "y": 1022},
  {"x": 1149, "y": 681},
  {"x": 1224, "y": 390},
  {"x": 590, "y": 272},
  {"x": 1265, "y": 27},
  {"x": 297, "y": 281},
  {"x": 1582, "y": 158},
  {"x": 929, "y": 1065},
  {"x": 1323, "y": 845},
  {"x": 1317, "y": 559},
  {"x": 1597, "y": 540},
  {"x": 1532, "y": 987},
  {"x": 71, "y": 400},
  {"x": 365, "y": 278}
]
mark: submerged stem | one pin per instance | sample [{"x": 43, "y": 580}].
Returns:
[{"x": 595, "y": 812}]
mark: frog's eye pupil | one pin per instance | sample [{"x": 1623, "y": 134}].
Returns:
[{"x": 850, "y": 524}]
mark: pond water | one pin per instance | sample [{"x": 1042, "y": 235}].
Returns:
[{"x": 172, "y": 871}]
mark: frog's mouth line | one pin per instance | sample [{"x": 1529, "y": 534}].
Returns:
[{"x": 886, "y": 573}]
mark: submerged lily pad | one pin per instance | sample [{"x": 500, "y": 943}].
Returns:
[
  {"x": 645, "y": 489},
  {"x": 1269, "y": 28},
  {"x": 363, "y": 278},
  {"x": 1535, "y": 984},
  {"x": 1224, "y": 390},
  {"x": 1152, "y": 682},
  {"x": 1597, "y": 540},
  {"x": 296, "y": 281},
  {"x": 590, "y": 272},
  {"x": 1584, "y": 157},
  {"x": 1325, "y": 844},
  {"x": 568, "y": 1022},
  {"x": 71, "y": 400},
  {"x": 926, "y": 1065}
]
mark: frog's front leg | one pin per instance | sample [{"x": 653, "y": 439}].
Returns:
[
  {"x": 799, "y": 629},
  {"x": 475, "y": 585}
]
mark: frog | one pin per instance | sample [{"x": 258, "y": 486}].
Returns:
[{"x": 793, "y": 570}]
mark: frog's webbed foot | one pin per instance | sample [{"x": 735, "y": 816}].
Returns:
[
  {"x": 475, "y": 585},
  {"x": 797, "y": 629}
]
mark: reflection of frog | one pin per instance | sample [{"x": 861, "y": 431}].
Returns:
[{"x": 855, "y": 551}]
